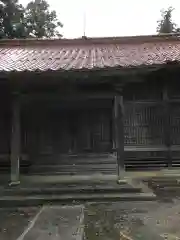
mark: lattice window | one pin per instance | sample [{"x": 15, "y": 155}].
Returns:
[
  {"x": 143, "y": 124},
  {"x": 175, "y": 123}
]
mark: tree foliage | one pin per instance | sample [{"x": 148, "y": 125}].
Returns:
[
  {"x": 40, "y": 21},
  {"x": 166, "y": 24},
  {"x": 11, "y": 19},
  {"x": 34, "y": 20}
]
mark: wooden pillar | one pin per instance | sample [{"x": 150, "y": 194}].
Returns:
[
  {"x": 119, "y": 132},
  {"x": 113, "y": 136},
  {"x": 15, "y": 141},
  {"x": 167, "y": 130}
]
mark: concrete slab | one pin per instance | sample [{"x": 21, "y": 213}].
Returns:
[
  {"x": 163, "y": 173},
  {"x": 67, "y": 179},
  {"x": 13, "y": 221},
  {"x": 56, "y": 223}
]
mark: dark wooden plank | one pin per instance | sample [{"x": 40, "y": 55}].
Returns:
[
  {"x": 64, "y": 96},
  {"x": 15, "y": 140}
]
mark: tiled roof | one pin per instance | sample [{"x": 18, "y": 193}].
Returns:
[{"x": 82, "y": 54}]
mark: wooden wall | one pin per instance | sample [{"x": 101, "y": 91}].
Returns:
[
  {"x": 72, "y": 127},
  {"x": 5, "y": 122},
  {"x": 144, "y": 115},
  {"x": 152, "y": 124}
]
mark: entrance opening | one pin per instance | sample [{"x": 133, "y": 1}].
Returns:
[{"x": 69, "y": 128}]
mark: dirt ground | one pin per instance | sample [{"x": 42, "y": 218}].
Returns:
[{"x": 138, "y": 220}]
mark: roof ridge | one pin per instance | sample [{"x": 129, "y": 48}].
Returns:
[{"x": 91, "y": 40}]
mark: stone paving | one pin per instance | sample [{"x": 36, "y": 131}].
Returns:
[
  {"x": 155, "y": 220},
  {"x": 56, "y": 223},
  {"x": 13, "y": 221}
]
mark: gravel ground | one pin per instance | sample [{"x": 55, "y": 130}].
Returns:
[
  {"x": 106, "y": 221},
  {"x": 138, "y": 220}
]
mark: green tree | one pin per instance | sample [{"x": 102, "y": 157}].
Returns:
[
  {"x": 36, "y": 20},
  {"x": 11, "y": 19},
  {"x": 166, "y": 24},
  {"x": 40, "y": 21}
]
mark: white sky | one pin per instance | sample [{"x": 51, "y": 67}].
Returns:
[{"x": 111, "y": 17}]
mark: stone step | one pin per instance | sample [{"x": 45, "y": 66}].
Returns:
[
  {"x": 143, "y": 168},
  {"x": 76, "y": 161},
  {"x": 170, "y": 189},
  {"x": 49, "y": 159},
  {"x": 164, "y": 179},
  {"x": 73, "y": 167},
  {"x": 73, "y": 173},
  {"x": 61, "y": 170},
  {"x": 9, "y": 201},
  {"x": 164, "y": 185},
  {"x": 73, "y": 156},
  {"x": 44, "y": 190},
  {"x": 148, "y": 163},
  {"x": 68, "y": 179}
]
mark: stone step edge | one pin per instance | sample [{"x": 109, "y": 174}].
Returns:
[
  {"x": 135, "y": 196},
  {"x": 70, "y": 188},
  {"x": 69, "y": 191},
  {"x": 68, "y": 179},
  {"x": 68, "y": 173},
  {"x": 168, "y": 189}
]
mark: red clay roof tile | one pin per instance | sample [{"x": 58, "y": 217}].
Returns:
[{"x": 43, "y": 55}]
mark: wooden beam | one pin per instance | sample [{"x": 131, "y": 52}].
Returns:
[
  {"x": 15, "y": 140},
  {"x": 90, "y": 75},
  {"x": 119, "y": 131},
  {"x": 67, "y": 96}
]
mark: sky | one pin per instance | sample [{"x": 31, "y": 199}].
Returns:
[{"x": 108, "y": 18}]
